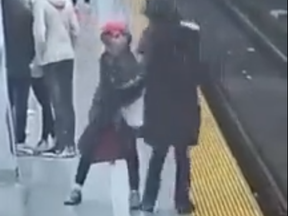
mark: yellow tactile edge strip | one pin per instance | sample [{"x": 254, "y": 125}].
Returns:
[{"x": 219, "y": 187}]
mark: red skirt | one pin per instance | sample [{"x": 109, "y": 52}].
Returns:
[{"x": 111, "y": 146}]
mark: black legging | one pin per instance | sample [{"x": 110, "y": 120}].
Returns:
[{"x": 42, "y": 96}]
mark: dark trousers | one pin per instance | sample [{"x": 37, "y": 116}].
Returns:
[
  {"x": 18, "y": 89},
  {"x": 133, "y": 167},
  {"x": 182, "y": 176},
  {"x": 59, "y": 81},
  {"x": 132, "y": 163},
  {"x": 40, "y": 91}
]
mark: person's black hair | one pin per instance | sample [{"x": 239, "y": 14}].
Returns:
[
  {"x": 127, "y": 34},
  {"x": 162, "y": 10}
]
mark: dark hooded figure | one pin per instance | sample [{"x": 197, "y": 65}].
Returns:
[
  {"x": 170, "y": 50},
  {"x": 17, "y": 20}
]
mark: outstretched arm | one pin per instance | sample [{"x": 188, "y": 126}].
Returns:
[
  {"x": 39, "y": 29},
  {"x": 74, "y": 26}
]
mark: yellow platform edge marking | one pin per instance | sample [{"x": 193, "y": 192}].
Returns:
[{"x": 219, "y": 187}]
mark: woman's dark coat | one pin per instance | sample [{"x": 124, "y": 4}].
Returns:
[
  {"x": 172, "y": 112},
  {"x": 19, "y": 41}
]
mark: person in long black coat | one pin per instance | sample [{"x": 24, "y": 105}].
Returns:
[
  {"x": 171, "y": 52},
  {"x": 19, "y": 44}
]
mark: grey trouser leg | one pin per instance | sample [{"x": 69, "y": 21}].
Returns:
[{"x": 59, "y": 79}]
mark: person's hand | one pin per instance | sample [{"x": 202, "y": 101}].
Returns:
[
  {"x": 189, "y": 151},
  {"x": 140, "y": 58}
]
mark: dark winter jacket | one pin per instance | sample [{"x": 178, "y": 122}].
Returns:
[
  {"x": 172, "y": 59},
  {"x": 121, "y": 82},
  {"x": 19, "y": 42}
]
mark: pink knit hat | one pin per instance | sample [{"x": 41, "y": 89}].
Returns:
[{"x": 114, "y": 28}]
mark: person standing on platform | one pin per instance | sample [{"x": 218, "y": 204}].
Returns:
[
  {"x": 19, "y": 44},
  {"x": 170, "y": 52},
  {"x": 56, "y": 30},
  {"x": 120, "y": 84}
]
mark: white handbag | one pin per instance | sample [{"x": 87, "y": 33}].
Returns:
[
  {"x": 36, "y": 70},
  {"x": 134, "y": 113}
]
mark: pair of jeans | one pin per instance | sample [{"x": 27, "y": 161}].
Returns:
[
  {"x": 182, "y": 176},
  {"x": 18, "y": 90},
  {"x": 59, "y": 81},
  {"x": 42, "y": 95}
]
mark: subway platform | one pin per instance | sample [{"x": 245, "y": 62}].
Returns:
[{"x": 219, "y": 187}]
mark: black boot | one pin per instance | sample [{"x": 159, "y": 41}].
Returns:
[
  {"x": 74, "y": 199},
  {"x": 185, "y": 209},
  {"x": 149, "y": 201},
  {"x": 146, "y": 207}
]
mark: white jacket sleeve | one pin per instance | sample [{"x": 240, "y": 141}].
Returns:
[
  {"x": 39, "y": 29},
  {"x": 74, "y": 26}
]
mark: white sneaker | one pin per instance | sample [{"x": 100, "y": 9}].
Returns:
[
  {"x": 42, "y": 145},
  {"x": 75, "y": 198},
  {"x": 135, "y": 200},
  {"x": 69, "y": 152},
  {"x": 52, "y": 141},
  {"x": 22, "y": 146},
  {"x": 23, "y": 150},
  {"x": 31, "y": 112},
  {"x": 51, "y": 153}
]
